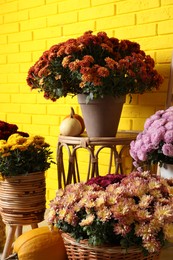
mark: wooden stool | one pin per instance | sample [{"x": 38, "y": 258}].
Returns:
[
  {"x": 93, "y": 146},
  {"x": 13, "y": 230}
]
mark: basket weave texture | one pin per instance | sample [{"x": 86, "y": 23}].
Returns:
[
  {"x": 22, "y": 198},
  {"x": 83, "y": 251}
]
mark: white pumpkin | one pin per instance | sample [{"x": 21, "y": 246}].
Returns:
[{"x": 70, "y": 127}]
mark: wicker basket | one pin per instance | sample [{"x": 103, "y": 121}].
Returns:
[
  {"x": 82, "y": 251},
  {"x": 22, "y": 199}
]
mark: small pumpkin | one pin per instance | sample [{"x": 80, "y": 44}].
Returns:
[
  {"x": 40, "y": 244},
  {"x": 78, "y": 117},
  {"x": 72, "y": 125}
]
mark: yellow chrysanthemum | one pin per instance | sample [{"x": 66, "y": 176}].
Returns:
[{"x": 168, "y": 231}]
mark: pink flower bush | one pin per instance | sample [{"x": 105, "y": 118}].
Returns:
[
  {"x": 136, "y": 209},
  {"x": 95, "y": 65},
  {"x": 155, "y": 144}
]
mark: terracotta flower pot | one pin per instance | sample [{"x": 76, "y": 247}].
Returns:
[{"x": 101, "y": 116}]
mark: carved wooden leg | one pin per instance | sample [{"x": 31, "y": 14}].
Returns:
[
  {"x": 9, "y": 241},
  {"x": 34, "y": 225}
]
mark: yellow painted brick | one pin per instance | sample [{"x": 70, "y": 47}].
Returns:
[
  {"x": 33, "y": 109},
  {"x": 164, "y": 56},
  {"x": 5, "y": 98},
  {"x": 9, "y": 28},
  {"x": 134, "y": 111},
  {"x": 115, "y": 21},
  {"x": 42, "y": 11},
  {"x": 61, "y": 19},
  {"x": 16, "y": 17},
  {"x": 9, "y": 88},
  {"x": 47, "y": 33},
  {"x": 23, "y": 99},
  {"x": 164, "y": 69},
  {"x": 1, "y": 19},
  {"x": 135, "y": 5},
  {"x": 16, "y": 77},
  {"x": 53, "y": 130},
  {"x": 68, "y": 5},
  {"x": 100, "y": 2},
  {"x": 13, "y": 107},
  {"x": 125, "y": 124},
  {"x": 33, "y": 46},
  {"x": 9, "y": 48},
  {"x": 167, "y": 2},
  {"x": 97, "y": 12},
  {"x": 9, "y": 7},
  {"x": 3, "y": 116},
  {"x": 138, "y": 125},
  {"x": 33, "y": 24},
  {"x": 154, "y": 99},
  {"x": 136, "y": 30},
  {"x": 159, "y": 42},
  {"x": 154, "y": 15},
  {"x": 30, "y": 4},
  {"x": 51, "y": 184},
  {"x": 44, "y": 119},
  {"x": 78, "y": 28},
  {"x": 24, "y": 67},
  {"x": 6, "y": 68},
  {"x": 36, "y": 129},
  {"x": 20, "y": 37},
  {"x": 3, "y": 40},
  {"x": 18, "y": 118},
  {"x": 58, "y": 110},
  {"x": 3, "y": 59},
  {"x": 3, "y": 79},
  {"x": 165, "y": 27},
  {"x": 19, "y": 57}
]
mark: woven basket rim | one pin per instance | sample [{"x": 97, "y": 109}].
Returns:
[
  {"x": 109, "y": 248},
  {"x": 21, "y": 176}
]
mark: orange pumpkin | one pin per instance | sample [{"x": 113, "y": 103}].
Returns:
[{"x": 40, "y": 244}]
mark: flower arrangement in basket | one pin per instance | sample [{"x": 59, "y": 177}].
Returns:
[
  {"x": 115, "y": 210},
  {"x": 155, "y": 143},
  {"x": 22, "y": 155},
  {"x": 95, "y": 65}
]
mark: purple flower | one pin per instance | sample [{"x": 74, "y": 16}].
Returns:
[
  {"x": 169, "y": 125},
  {"x": 142, "y": 153},
  {"x": 157, "y": 134},
  {"x": 146, "y": 138},
  {"x": 158, "y": 123},
  {"x": 168, "y": 138},
  {"x": 160, "y": 112},
  {"x": 167, "y": 150},
  {"x": 167, "y": 115},
  {"x": 148, "y": 122}
]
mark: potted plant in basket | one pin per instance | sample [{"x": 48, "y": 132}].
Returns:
[
  {"x": 98, "y": 67},
  {"x": 114, "y": 212},
  {"x": 154, "y": 145},
  {"x": 23, "y": 162}
]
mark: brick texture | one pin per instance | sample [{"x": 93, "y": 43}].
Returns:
[{"x": 28, "y": 28}]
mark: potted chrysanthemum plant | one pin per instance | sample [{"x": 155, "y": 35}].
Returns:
[
  {"x": 154, "y": 145},
  {"x": 23, "y": 162},
  {"x": 98, "y": 69},
  {"x": 114, "y": 215}
]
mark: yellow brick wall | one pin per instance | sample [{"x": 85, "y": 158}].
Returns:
[{"x": 27, "y": 28}]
